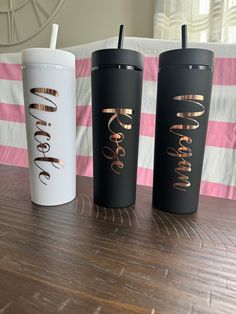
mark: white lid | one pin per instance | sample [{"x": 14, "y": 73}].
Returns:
[{"x": 47, "y": 56}]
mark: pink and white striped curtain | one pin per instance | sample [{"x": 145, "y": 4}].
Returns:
[
  {"x": 208, "y": 20},
  {"x": 219, "y": 168}
]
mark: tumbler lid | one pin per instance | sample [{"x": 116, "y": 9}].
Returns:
[
  {"x": 48, "y": 56},
  {"x": 186, "y": 56},
  {"x": 117, "y": 56}
]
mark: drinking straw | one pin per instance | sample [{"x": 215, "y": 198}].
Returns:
[
  {"x": 54, "y": 32},
  {"x": 184, "y": 36},
  {"x": 121, "y": 36}
]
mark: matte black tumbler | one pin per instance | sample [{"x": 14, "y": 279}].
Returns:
[
  {"x": 183, "y": 100},
  {"x": 117, "y": 76}
]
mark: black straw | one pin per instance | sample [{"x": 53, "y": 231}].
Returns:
[
  {"x": 184, "y": 36},
  {"x": 121, "y": 36}
]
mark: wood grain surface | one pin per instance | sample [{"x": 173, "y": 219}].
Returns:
[{"x": 81, "y": 258}]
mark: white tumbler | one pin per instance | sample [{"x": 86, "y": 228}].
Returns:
[{"x": 49, "y": 97}]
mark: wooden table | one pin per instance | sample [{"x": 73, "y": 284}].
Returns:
[{"x": 81, "y": 258}]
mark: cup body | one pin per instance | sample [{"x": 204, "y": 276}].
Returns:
[
  {"x": 117, "y": 77},
  {"x": 49, "y": 96},
  {"x": 183, "y": 102}
]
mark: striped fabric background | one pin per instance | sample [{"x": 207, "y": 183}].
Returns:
[{"x": 219, "y": 170}]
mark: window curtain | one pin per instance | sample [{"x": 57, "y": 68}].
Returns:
[{"x": 207, "y": 20}]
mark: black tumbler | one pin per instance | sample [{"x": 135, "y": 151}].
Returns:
[
  {"x": 117, "y": 76},
  {"x": 183, "y": 101}
]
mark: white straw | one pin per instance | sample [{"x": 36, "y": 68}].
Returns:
[{"x": 53, "y": 41}]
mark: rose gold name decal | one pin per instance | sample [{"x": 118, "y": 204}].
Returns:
[
  {"x": 184, "y": 151},
  {"x": 41, "y": 134},
  {"x": 115, "y": 153}
]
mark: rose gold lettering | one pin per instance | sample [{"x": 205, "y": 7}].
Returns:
[
  {"x": 44, "y": 147},
  {"x": 119, "y": 115},
  {"x": 183, "y": 151}
]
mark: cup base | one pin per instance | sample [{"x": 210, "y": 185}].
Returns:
[
  {"x": 53, "y": 204},
  {"x": 174, "y": 211},
  {"x": 109, "y": 206}
]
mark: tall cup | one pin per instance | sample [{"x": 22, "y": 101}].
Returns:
[
  {"x": 183, "y": 102},
  {"x": 49, "y": 96},
  {"x": 117, "y": 76}
]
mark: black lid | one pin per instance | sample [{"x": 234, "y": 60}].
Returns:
[
  {"x": 117, "y": 56},
  {"x": 186, "y": 56}
]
